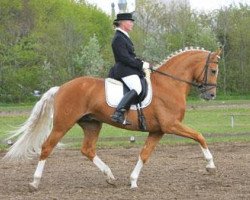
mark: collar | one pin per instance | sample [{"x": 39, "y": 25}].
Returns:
[{"x": 126, "y": 33}]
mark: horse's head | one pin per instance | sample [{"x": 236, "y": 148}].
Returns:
[
  {"x": 207, "y": 78},
  {"x": 200, "y": 70}
]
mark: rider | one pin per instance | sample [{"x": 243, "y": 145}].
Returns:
[{"x": 128, "y": 68}]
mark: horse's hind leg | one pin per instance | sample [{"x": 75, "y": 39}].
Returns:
[
  {"x": 182, "y": 130},
  {"x": 47, "y": 148},
  {"x": 91, "y": 130}
]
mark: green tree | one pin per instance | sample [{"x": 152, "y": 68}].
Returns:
[
  {"x": 43, "y": 38},
  {"x": 89, "y": 61},
  {"x": 232, "y": 28},
  {"x": 155, "y": 50},
  {"x": 169, "y": 28}
]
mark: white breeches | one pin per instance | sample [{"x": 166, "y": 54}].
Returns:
[{"x": 133, "y": 82}]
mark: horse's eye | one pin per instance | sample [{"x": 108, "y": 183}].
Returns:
[{"x": 214, "y": 71}]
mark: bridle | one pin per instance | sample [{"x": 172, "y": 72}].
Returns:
[{"x": 203, "y": 87}]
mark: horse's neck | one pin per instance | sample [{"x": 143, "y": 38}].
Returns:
[
  {"x": 180, "y": 67},
  {"x": 186, "y": 65}
]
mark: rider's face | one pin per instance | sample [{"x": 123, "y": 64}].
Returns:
[{"x": 127, "y": 25}]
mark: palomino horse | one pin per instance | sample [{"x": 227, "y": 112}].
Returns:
[{"x": 82, "y": 101}]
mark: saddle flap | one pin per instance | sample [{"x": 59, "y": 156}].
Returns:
[{"x": 114, "y": 91}]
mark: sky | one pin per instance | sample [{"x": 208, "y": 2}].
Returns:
[{"x": 201, "y": 5}]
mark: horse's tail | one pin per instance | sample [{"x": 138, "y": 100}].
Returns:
[{"x": 35, "y": 130}]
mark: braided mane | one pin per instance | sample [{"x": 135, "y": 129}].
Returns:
[{"x": 180, "y": 51}]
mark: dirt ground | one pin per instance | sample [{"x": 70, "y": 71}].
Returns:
[{"x": 173, "y": 172}]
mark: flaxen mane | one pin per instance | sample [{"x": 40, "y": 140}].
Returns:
[{"x": 180, "y": 51}]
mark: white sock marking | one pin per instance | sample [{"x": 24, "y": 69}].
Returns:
[
  {"x": 208, "y": 156},
  {"x": 103, "y": 167},
  {"x": 135, "y": 174},
  {"x": 38, "y": 173}
]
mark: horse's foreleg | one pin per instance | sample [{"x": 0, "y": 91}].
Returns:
[
  {"x": 182, "y": 130},
  {"x": 151, "y": 142},
  {"x": 210, "y": 167},
  {"x": 91, "y": 133}
]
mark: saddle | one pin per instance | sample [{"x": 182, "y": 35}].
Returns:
[{"x": 115, "y": 90}]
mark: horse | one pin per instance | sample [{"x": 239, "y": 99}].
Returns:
[{"x": 82, "y": 101}]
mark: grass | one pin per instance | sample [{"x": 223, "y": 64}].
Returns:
[
  {"x": 213, "y": 119},
  {"x": 219, "y": 120}
]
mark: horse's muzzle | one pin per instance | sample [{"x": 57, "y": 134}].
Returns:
[{"x": 208, "y": 96}]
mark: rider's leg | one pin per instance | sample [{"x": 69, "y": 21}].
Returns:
[{"x": 134, "y": 84}]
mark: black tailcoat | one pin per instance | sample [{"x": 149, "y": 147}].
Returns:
[{"x": 126, "y": 62}]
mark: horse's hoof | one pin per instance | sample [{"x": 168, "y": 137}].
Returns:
[
  {"x": 111, "y": 181},
  {"x": 32, "y": 187},
  {"x": 211, "y": 170},
  {"x": 134, "y": 186}
]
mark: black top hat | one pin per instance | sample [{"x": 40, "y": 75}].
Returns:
[{"x": 124, "y": 16}]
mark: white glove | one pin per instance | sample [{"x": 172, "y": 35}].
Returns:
[
  {"x": 146, "y": 70},
  {"x": 145, "y": 65}
]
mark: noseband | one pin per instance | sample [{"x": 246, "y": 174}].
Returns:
[{"x": 203, "y": 86}]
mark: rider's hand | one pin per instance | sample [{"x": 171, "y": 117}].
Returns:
[{"x": 145, "y": 65}]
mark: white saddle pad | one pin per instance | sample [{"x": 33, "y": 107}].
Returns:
[{"x": 114, "y": 94}]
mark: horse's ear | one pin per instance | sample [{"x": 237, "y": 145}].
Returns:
[{"x": 219, "y": 51}]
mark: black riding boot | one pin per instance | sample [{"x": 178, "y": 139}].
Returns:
[{"x": 123, "y": 106}]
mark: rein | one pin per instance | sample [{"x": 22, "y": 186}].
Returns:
[{"x": 202, "y": 87}]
